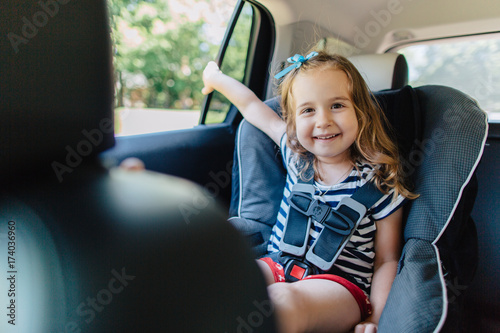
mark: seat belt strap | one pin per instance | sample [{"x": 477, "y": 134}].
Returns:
[
  {"x": 339, "y": 222},
  {"x": 298, "y": 220},
  {"x": 349, "y": 213}
]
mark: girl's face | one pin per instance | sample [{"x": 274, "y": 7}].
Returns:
[{"x": 325, "y": 118}]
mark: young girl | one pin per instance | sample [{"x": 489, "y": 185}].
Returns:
[{"x": 330, "y": 124}]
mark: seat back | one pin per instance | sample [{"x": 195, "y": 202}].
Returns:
[
  {"x": 53, "y": 118},
  {"x": 382, "y": 71},
  {"x": 88, "y": 249},
  {"x": 440, "y": 251}
]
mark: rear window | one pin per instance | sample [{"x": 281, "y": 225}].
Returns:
[{"x": 470, "y": 65}]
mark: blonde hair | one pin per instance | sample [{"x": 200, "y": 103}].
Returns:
[{"x": 372, "y": 145}]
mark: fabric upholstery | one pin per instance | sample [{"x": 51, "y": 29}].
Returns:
[
  {"x": 382, "y": 71},
  {"x": 100, "y": 250},
  {"x": 56, "y": 86},
  {"x": 441, "y": 134}
]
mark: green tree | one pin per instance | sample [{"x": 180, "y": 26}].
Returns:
[{"x": 168, "y": 52}]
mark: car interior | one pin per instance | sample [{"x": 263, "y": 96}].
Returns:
[{"x": 88, "y": 247}]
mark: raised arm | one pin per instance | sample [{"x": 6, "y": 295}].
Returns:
[{"x": 250, "y": 106}]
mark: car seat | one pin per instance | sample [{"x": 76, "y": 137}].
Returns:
[
  {"x": 256, "y": 198},
  {"x": 441, "y": 134},
  {"x": 84, "y": 248}
]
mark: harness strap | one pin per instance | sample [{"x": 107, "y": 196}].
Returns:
[
  {"x": 298, "y": 223},
  {"x": 339, "y": 222}
]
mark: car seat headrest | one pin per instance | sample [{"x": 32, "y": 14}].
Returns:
[
  {"x": 382, "y": 71},
  {"x": 56, "y": 85}
]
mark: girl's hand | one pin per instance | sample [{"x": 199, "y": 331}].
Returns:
[
  {"x": 209, "y": 73},
  {"x": 366, "y": 327},
  {"x": 132, "y": 164}
]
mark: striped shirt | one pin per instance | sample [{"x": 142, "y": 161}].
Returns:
[{"x": 358, "y": 255}]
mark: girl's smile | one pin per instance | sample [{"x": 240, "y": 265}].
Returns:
[
  {"x": 325, "y": 120},
  {"x": 326, "y": 137}
]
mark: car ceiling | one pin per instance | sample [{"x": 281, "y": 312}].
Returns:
[{"x": 411, "y": 20}]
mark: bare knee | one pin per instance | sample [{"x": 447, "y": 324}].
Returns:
[
  {"x": 289, "y": 307},
  {"x": 313, "y": 306},
  {"x": 266, "y": 271},
  {"x": 132, "y": 164}
]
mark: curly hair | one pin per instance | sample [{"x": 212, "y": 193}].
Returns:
[{"x": 372, "y": 145}]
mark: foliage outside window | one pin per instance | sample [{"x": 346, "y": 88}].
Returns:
[
  {"x": 471, "y": 66},
  {"x": 234, "y": 63},
  {"x": 160, "y": 50}
]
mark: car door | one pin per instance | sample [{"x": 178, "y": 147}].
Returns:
[{"x": 204, "y": 153}]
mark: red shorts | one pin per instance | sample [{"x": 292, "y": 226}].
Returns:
[{"x": 363, "y": 301}]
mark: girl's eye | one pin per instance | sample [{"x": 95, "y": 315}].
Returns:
[
  {"x": 309, "y": 110},
  {"x": 337, "y": 106}
]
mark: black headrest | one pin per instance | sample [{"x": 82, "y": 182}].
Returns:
[{"x": 55, "y": 85}]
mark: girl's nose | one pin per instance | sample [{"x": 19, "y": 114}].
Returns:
[{"x": 323, "y": 118}]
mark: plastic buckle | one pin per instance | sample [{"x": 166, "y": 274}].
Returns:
[
  {"x": 296, "y": 270},
  {"x": 305, "y": 191},
  {"x": 353, "y": 205},
  {"x": 319, "y": 211},
  {"x": 346, "y": 234},
  {"x": 314, "y": 208}
]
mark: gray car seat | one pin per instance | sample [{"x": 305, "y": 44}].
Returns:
[
  {"x": 83, "y": 248},
  {"x": 256, "y": 198},
  {"x": 441, "y": 134}
]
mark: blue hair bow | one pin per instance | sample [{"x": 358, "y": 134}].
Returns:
[{"x": 296, "y": 61}]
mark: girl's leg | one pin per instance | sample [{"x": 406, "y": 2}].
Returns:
[
  {"x": 266, "y": 271},
  {"x": 314, "y": 305}
]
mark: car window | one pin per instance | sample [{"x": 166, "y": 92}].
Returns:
[
  {"x": 160, "y": 50},
  {"x": 233, "y": 64},
  {"x": 469, "y": 65}
]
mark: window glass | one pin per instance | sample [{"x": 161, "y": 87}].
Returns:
[
  {"x": 160, "y": 50},
  {"x": 233, "y": 64},
  {"x": 471, "y": 66}
]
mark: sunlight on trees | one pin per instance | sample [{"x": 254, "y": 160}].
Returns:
[
  {"x": 471, "y": 66},
  {"x": 161, "y": 48}
]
